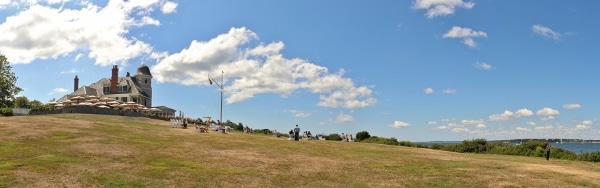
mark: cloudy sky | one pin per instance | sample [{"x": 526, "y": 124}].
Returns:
[{"x": 420, "y": 70}]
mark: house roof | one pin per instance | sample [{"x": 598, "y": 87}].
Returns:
[
  {"x": 143, "y": 70},
  {"x": 97, "y": 88}
]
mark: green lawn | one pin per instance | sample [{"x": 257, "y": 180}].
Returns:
[{"x": 79, "y": 150}]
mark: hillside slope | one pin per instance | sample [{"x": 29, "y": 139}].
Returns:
[{"x": 81, "y": 150}]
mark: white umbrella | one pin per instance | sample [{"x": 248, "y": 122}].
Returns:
[
  {"x": 112, "y": 102},
  {"x": 77, "y": 99},
  {"x": 106, "y": 99}
]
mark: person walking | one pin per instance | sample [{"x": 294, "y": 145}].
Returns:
[
  {"x": 548, "y": 147},
  {"x": 296, "y": 133}
]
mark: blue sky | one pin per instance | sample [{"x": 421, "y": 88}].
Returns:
[{"x": 419, "y": 70}]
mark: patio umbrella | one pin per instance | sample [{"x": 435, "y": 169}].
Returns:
[
  {"x": 67, "y": 103},
  {"x": 77, "y": 99},
  {"x": 112, "y": 102},
  {"x": 106, "y": 99}
]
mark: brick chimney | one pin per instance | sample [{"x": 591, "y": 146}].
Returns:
[
  {"x": 114, "y": 79},
  {"x": 75, "y": 83}
]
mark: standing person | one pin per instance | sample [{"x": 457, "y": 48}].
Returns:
[
  {"x": 548, "y": 147},
  {"x": 296, "y": 133}
]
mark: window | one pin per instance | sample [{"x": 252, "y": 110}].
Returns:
[
  {"x": 106, "y": 89},
  {"x": 145, "y": 80},
  {"x": 124, "y": 99},
  {"x": 121, "y": 88}
]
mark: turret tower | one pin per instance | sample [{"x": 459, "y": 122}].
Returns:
[{"x": 144, "y": 80}]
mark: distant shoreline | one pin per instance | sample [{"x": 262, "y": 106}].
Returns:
[{"x": 551, "y": 140}]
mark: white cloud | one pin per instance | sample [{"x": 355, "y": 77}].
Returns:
[
  {"x": 506, "y": 115},
  {"x": 531, "y": 123},
  {"x": 466, "y": 34},
  {"x": 441, "y": 7},
  {"x": 344, "y": 118},
  {"x": 545, "y": 31},
  {"x": 431, "y": 122},
  {"x": 472, "y": 122},
  {"x": 524, "y": 112},
  {"x": 5, "y": 3},
  {"x": 572, "y": 106},
  {"x": 481, "y": 126},
  {"x": 541, "y": 128},
  {"x": 99, "y": 32},
  {"x": 58, "y": 91},
  {"x": 547, "y": 112},
  {"x": 483, "y": 65},
  {"x": 72, "y": 71},
  {"x": 299, "y": 114},
  {"x": 78, "y": 56},
  {"x": 449, "y": 91},
  {"x": 587, "y": 122},
  {"x": 428, "y": 90},
  {"x": 169, "y": 7},
  {"x": 256, "y": 70},
  {"x": 460, "y": 130},
  {"x": 581, "y": 127},
  {"x": 523, "y": 129},
  {"x": 547, "y": 118},
  {"x": 399, "y": 124}
]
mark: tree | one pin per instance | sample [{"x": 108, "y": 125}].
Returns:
[
  {"x": 362, "y": 135},
  {"x": 35, "y": 104},
  {"x": 21, "y": 102},
  {"x": 8, "y": 81}
]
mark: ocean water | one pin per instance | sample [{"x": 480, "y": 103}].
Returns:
[{"x": 578, "y": 147}]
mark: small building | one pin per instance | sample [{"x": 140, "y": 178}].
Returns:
[{"x": 165, "y": 112}]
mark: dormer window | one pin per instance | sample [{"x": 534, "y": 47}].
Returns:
[
  {"x": 121, "y": 88},
  {"x": 145, "y": 80}
]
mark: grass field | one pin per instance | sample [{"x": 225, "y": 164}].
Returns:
[{"x": 80, "y": 150}]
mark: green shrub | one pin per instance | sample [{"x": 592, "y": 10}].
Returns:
[
  {"x": 380, "y": 140},
  {"x": 334, "y": 136},
  {"x": 6, "y": 112},
  {"x": 590, "y": 157},
  {"x": 438, "y": 146},
  {"x": 362, "y": 135},
  {"x": 407, "y": 144}
]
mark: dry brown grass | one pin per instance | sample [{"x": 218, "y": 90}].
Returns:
[{"x": 78, "y": 150}]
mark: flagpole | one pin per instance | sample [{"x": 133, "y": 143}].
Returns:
[
  {"x": 221, "y": 113},
  {"x": 211, "y": 80}
]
